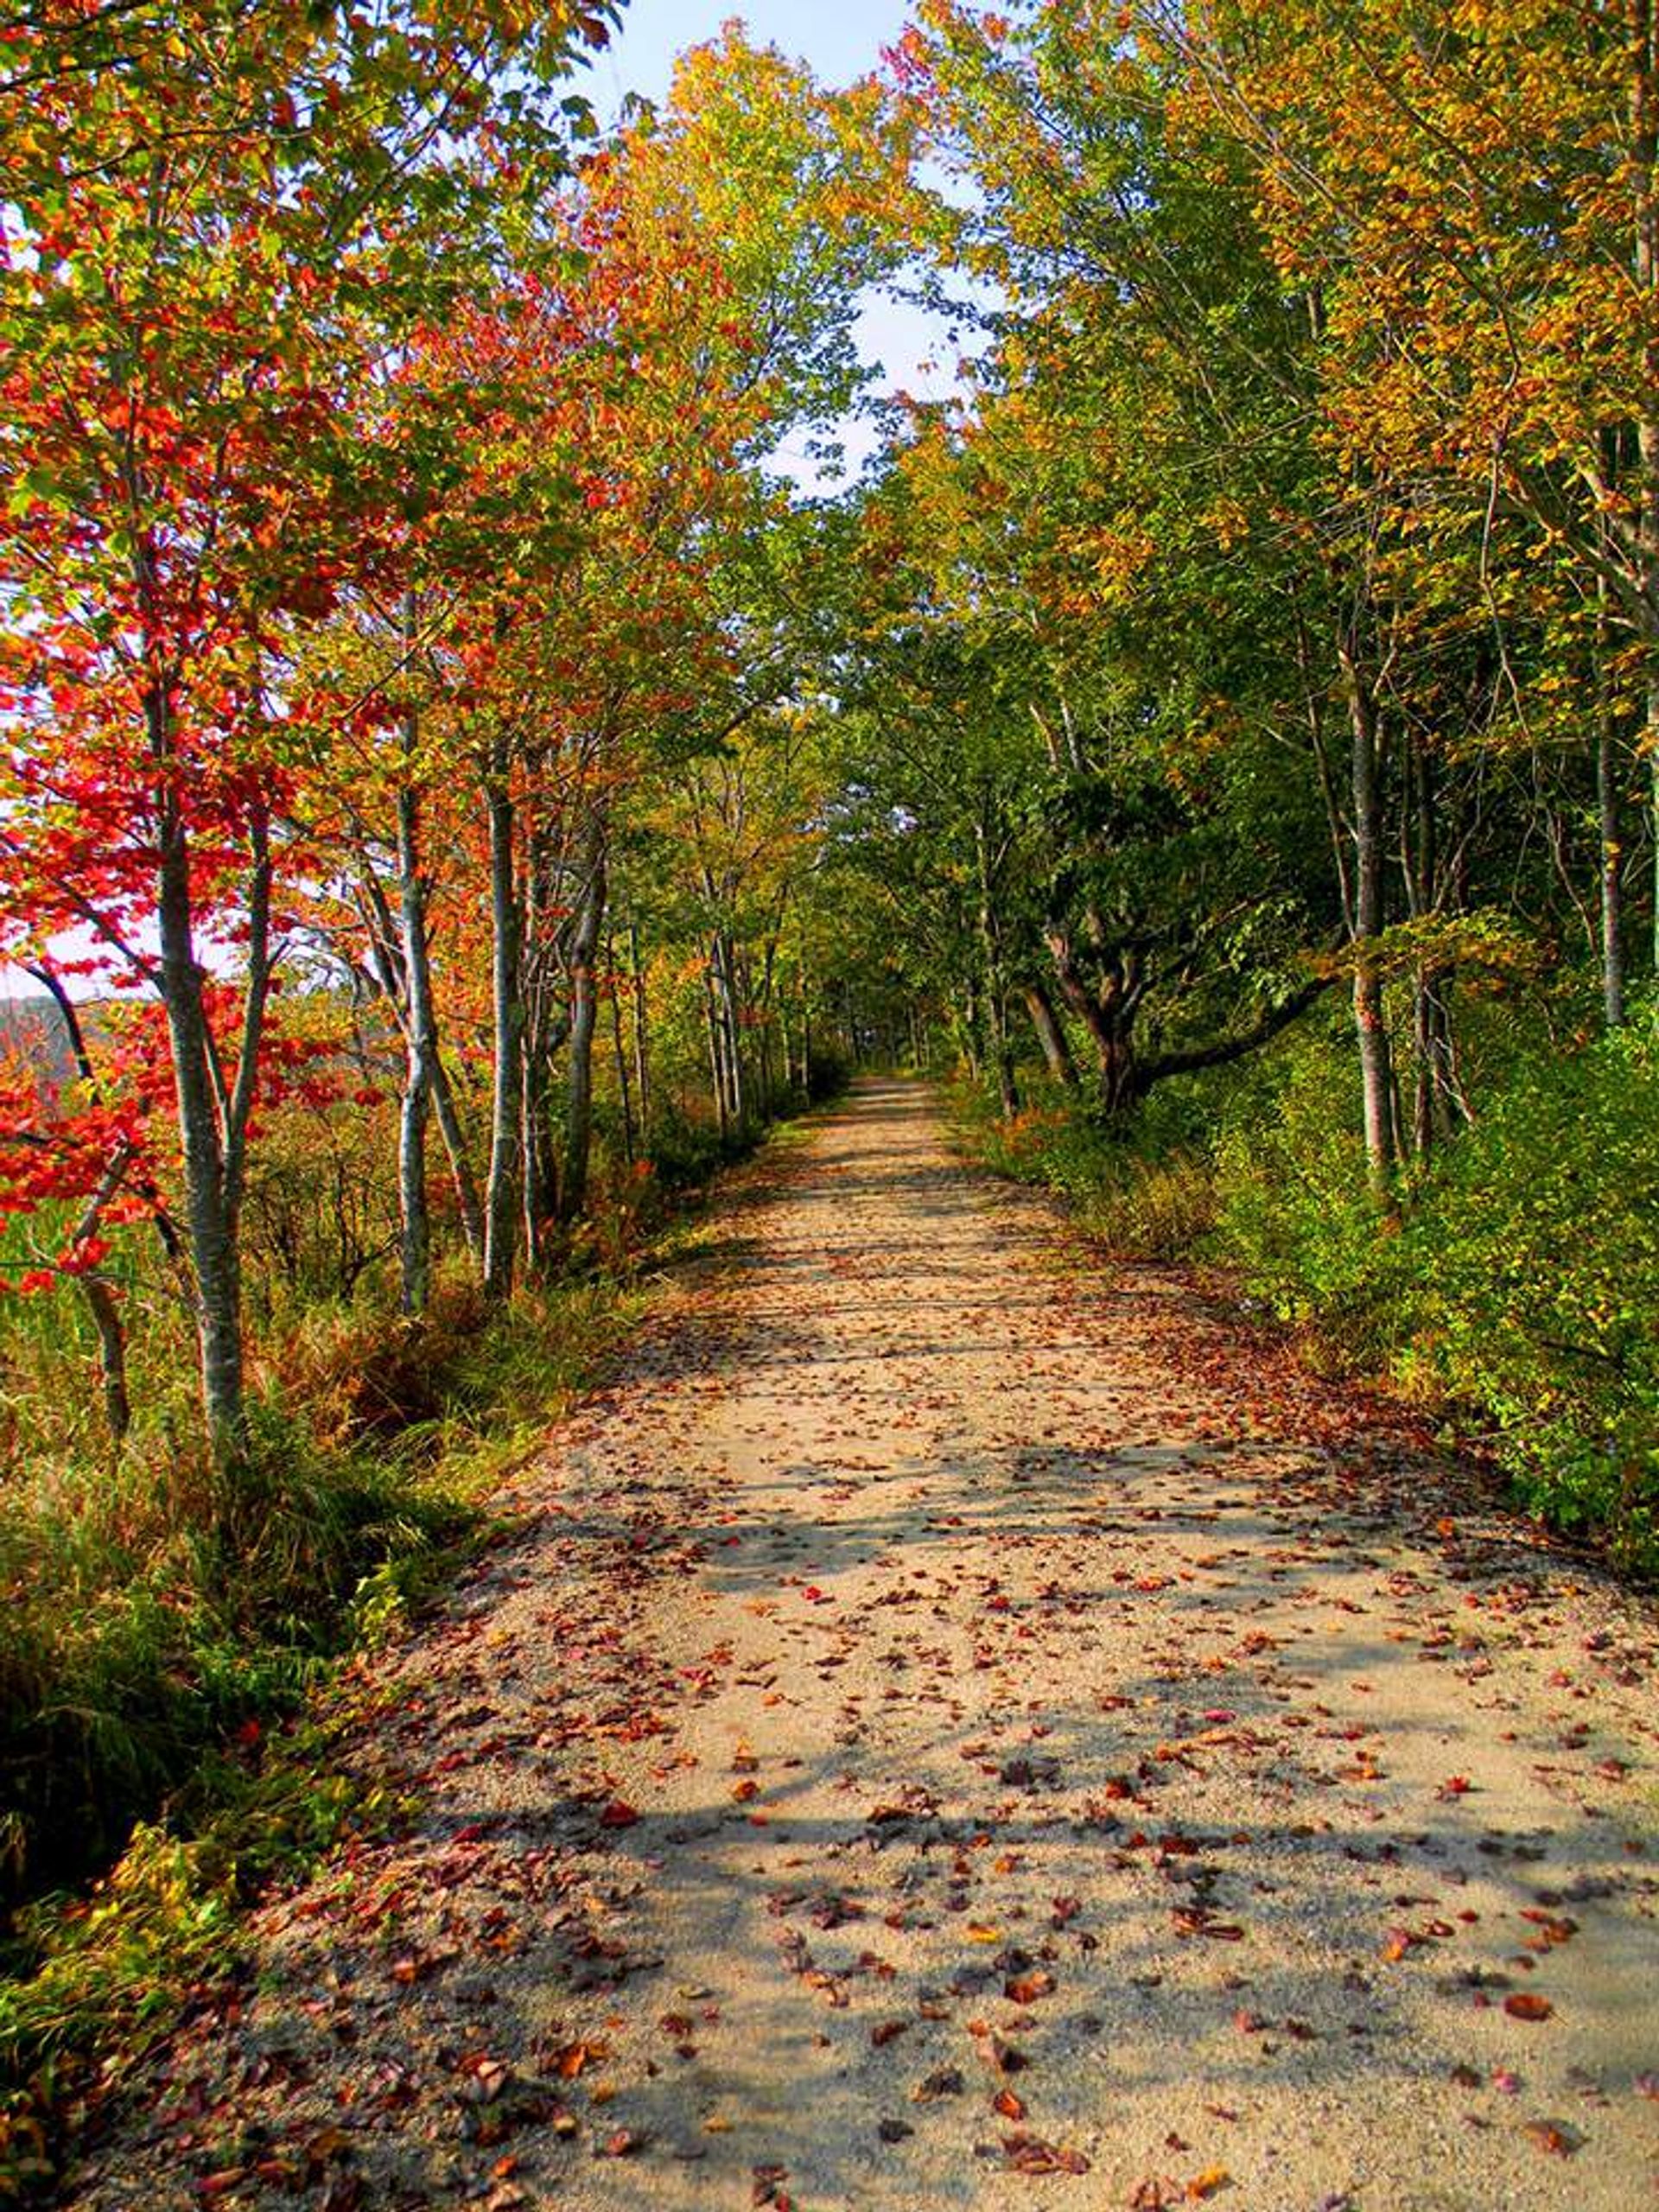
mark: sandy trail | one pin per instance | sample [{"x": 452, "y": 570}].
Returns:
[{"x": 961, "y": 1728}]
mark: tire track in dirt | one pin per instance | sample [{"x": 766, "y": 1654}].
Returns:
[{"x": 955, "y": 1729}]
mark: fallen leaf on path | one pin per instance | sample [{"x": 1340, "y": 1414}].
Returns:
[
  {"x": 1553, "y": 2136},
  {"x": 1524, "y": 2005},
  {"x": 945, "y": 2082},
  {"x": 1029, "y": 2154}
]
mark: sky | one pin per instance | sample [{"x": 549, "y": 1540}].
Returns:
[{"x": 840, "y": 39}]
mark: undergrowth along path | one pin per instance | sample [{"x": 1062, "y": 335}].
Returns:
[{"x": 958, "y": 1724}]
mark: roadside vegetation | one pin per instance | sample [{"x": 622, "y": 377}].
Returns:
[{"x": 1511, "y": 1294}]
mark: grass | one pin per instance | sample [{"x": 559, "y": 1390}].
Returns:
[{"x": 171, "y": 1641}]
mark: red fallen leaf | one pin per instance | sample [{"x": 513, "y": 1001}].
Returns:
[
  {"x": 617, "y": 1815},
  {"x": 1455, "y": 1786},
  {"x": 1194, "y": 1920},
  {"x": 570, "y": 2061},
  {"x": 220, "y": 2184},
  {"x": 1009, "y": 2105},
  {"x": 1525, "y": 2006},
  {"x": 888, "y": 2031},
  {"x": 622, "y": 2145},
  {"x": 1026, "y": 1989},
  {"x": 1029, "y": 2154},
  {"x": 1551, "y": 1928},
  {"x": 743, "y": 1791},
  {"x": 1550, "y": 2135},
  {"x": 1154, "y": 2195}
]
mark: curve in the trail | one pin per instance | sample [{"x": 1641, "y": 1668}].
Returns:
[{"x": 955, "y": 1726}]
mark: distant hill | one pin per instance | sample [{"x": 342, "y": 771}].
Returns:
[{"x": 32, "y": 1030}]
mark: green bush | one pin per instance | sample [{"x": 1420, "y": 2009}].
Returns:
[
  {"x": 1293, "y": 1208},
  {"x": 1536, "y": 1263}
]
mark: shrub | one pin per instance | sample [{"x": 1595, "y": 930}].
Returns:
[{"x": 1536, "y": 1264}]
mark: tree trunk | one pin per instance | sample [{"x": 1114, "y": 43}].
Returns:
[
  {"x": 1001, "y": 1050},
  {"x": 620, "y": 1048},
  {"x": 1610, "y": 869},
  {"x": 1107, "y": 1017},
  {"x": 501, "y": 1193},
  {"x": 584, "y": 1015},
  {"x": 420, "y": 1049},
  {"x": 999, "y": 1043},
  {"x": 1050, "y": 1036},
  {"x": 717, "y": 1068},
  {"x": 460, "y": 1157},
  {"x": 641, "y": 1036},
  {"x": 211, "y": 1215},
  {"x": 1370, "y": 1026},
  {"x": 728, "y": 1015}
]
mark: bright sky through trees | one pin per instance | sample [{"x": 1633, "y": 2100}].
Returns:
[{"x": 839, "y": 44}]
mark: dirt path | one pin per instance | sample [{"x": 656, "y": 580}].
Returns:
[{"x": 956, "y": 1731}]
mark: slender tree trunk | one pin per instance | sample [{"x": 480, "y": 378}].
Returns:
[
  {"x": 619, "y": 1049},
  {"x": 1607, "y": 813},
  {"x": 716, "y": 1067},
  {"x": 967, "y": 1026},
  {"x": 641, "y": 1037},
  {"x": 501, "y": 1193},
  {"x": 728, "y": 1014},
  {"x": 104, "y": 1308},
  {"x": 459, "y": 1156},
  {"x": 1001, "y": 1047},
  {"x": 420, "y": 1050},
  {"x": 1371, "y": 1025},
  {"x": 999, "y": 1043},
  {"x": 539, "y": 1169},
  {"x": 1049, "y": 1035},
  {"x": 584, "y": 1015},
  {"x": 211, "y": 1217}
]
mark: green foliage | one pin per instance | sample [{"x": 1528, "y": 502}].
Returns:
[
  {"x": 1294, "y": 1208},
  {"x": 1535, "y": 1264},
  {"x": 1148, "y": 1197}
]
